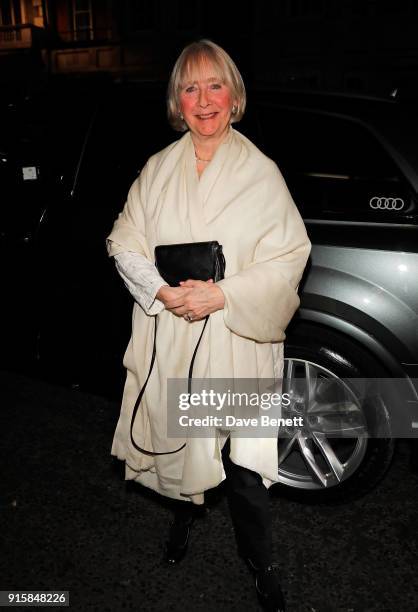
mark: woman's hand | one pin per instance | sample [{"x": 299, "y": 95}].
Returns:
[
  {"x": 194, "y": 299},
  {"x": 203, "y": 298},
  {"x": 171, "y": 297}
]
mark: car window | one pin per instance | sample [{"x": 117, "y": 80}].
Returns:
[
  {"x": 129, "y": 127},
  {"x": 336, "y": 168},
  {"x": 40, "y": 140}
]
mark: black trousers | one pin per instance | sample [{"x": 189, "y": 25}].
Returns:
[{"x": 249, "y": 505}]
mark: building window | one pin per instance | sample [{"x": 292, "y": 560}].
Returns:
[
  {"x": 37, "y": 9},
  {"x": 10, "y": 13},
  {"x": 6, "y": 12},
  {"x": 82, "y": 20}
]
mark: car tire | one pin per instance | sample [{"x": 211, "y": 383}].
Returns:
[{"x": 361, "y": 461}]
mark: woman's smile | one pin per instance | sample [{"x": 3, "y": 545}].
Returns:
[{"x": 206, "y": 116}]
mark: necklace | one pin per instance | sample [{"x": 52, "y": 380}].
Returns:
[{"x": 205, "y": 161}]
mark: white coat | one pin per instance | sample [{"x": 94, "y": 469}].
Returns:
[{"x": 241, "y": 200}]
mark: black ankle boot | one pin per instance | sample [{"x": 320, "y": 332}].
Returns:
[
  {"x": 178, "y": 539},
  {"x": 268, "y": 587}
]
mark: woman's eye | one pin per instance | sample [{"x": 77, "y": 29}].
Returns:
[
  {"x": 190, "y": 89},
  {"x": 216, "y": 86}
]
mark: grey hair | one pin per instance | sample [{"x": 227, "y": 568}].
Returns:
[{"x": 191, "y": 58}]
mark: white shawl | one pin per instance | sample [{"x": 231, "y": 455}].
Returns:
[{"x": 242, "y": 201}]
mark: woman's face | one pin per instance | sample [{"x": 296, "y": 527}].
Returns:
[{"x": 206, "y": 103}]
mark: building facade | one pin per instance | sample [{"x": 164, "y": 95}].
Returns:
[{"x": 367, "y": 46}]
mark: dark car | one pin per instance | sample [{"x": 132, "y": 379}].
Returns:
[{"x": 352, "y": 167}]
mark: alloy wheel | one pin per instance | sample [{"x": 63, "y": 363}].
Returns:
[{"x": 332, "y": 442}]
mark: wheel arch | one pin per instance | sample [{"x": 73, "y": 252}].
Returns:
[{"x": 351, "y": 331}]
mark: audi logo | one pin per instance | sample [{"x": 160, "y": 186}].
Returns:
[{"x": 386, "y": 203}]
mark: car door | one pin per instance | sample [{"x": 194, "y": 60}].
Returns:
[{"x": 86, "y": 311}]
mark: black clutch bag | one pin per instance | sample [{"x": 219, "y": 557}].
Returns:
[
  {"x": 175, "y": 263},
  {"x": 197, "y": 260}
]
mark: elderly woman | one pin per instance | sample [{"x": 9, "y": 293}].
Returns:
[{"x": 211, "y": 184}]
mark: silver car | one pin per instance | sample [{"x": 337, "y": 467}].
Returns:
[{"x": 352, "y": 350}]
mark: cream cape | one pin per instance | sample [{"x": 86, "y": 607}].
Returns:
[{"x": 242, "y": 201}]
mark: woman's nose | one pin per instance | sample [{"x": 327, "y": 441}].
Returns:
[{"x": 203, "y": 98}]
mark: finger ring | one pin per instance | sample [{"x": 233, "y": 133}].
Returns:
[{"x": 188, "y": 317}]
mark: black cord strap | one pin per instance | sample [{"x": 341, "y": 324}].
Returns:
[{"x": 141, "y": 393}]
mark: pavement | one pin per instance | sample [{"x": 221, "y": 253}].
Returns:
[{"x": 69, "y": 521}]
